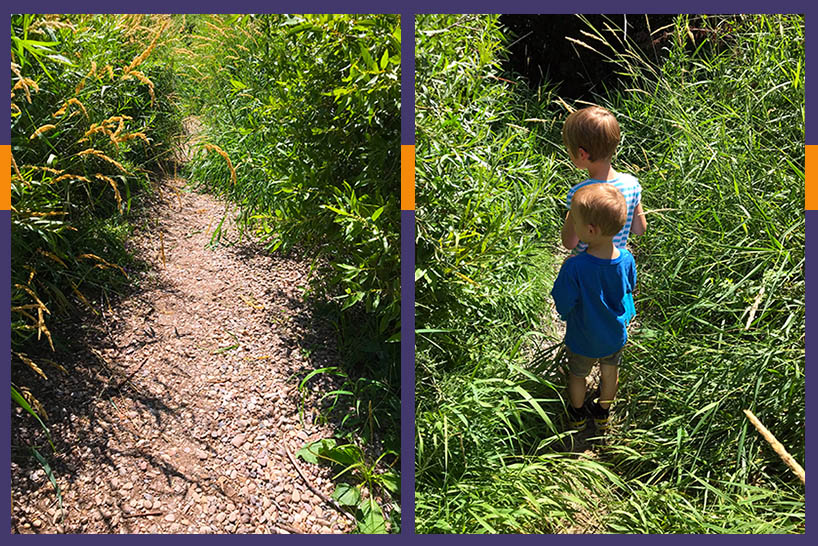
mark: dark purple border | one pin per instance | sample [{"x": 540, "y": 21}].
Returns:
[
  {"x": 407, "y": 289},
  {"x": 810, "y": 277},
  {"x": 407, "y": 225},
  {"x": 5, "y": 348},
  {"x": 407, "y": 376}
]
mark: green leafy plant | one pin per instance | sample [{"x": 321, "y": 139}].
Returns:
[{"x": 350, "y": 460}]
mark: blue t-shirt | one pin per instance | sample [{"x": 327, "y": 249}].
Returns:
[
  {"x": 629, "y": 186},
  {"x": 595, "y": 299}
]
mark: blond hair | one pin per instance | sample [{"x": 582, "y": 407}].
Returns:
[
  {"x": 601, "y": 205},
  {"x": 594, "y": 129}
]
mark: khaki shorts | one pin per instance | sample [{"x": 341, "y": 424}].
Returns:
[{"x": 581, "y": 366}]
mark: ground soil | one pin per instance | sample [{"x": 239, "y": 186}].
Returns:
[{"x": 180, "y": 408}]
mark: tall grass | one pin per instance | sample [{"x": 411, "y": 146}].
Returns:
[
  {"x": 715, "y": 134},
  {"x": 723, "y": 294},
  {"x": 91, "y": 111}
]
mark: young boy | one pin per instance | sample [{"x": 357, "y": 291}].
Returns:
[
  {"x": 594, "y": 296},
  {"x": 591, "y": 136}
]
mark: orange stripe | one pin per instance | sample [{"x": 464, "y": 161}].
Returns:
[
  {"x": 5, "y": 186},
  {"x": 407, "y": 177},
  {"x": 811, "y": 178}
]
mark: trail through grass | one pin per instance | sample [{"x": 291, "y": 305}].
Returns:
[
  {"x": 715, "y": 134},
  {"x": 298, "y": 119}
]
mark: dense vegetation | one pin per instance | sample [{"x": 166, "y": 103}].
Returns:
[
  {"x": 715, "y": 133},
  {"x": 299, "y": 126},
  {"x": 91, "y": 117}
]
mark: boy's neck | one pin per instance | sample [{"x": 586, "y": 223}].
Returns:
[
  {"x": 603, "y": 249},
  {"x": 601, "y": 170}
]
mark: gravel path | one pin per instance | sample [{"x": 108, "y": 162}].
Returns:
[{"x": 181, "y": 399}]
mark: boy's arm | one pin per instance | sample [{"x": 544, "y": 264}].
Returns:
[
  {"x": 632, "y": 273},
  {"x": 565, "y": 291},
  {"x": 639, "y": 225},
  {"x": 569, "y": 236}
]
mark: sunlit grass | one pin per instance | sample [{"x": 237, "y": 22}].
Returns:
[{"x": 715, "y": 135}]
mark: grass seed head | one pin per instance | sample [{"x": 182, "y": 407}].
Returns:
[
  {"x": 16, "y": 169},
  {"x": 101, "y": 155},
  {"x": 66, "y": 104},
  {"x": 42, "y": 129},
  {"x": 144, "y": 79},
  {"x": 26, "y": 84},
  {"x": 68, "y": 176},
  {"x": 226, "y": 158},
  {"x": 77, "y": 102},
  {"x": 139, "y": 59},
  {"x": 102, "y": 263},
  {"x": 112, "y": 182},
  {"x": 30, "y": 363}
]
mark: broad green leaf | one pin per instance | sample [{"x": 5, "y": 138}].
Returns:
[
  {"x": 391, "y": 482},
  {"x": 367, "y": 57},
  {"x": 347, "y": 495},
  {"x": 60, "y": 59},
  {"x": 345, "y": 455},
  {"x": 301, "y": 27},
  {"x": 371, "y": 522},
  {"x": 50, "y": 474},
  {"x": 310, "y": 452}
]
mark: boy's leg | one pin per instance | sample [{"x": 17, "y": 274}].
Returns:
[
  {"x": 578, "y": 367},
  {"x": 609, "y": 383},
  {"x": 609, "y": 378},
  {"x": 576, "y": 390}
]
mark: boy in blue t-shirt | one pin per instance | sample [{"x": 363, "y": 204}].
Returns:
[
  {"x": 591, "y": 136},
  {"x": 593, "y": 294}
]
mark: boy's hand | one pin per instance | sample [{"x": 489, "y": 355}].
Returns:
[{"x": 569, "y": 236}]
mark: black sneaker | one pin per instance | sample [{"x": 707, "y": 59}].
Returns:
[
  {"x": 602, "y": 417},
  {"x": 577, "y": 418}
]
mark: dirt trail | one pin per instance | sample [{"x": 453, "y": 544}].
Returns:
[{"x": 181, "y": 398}]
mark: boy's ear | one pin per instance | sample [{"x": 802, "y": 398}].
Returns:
[{"x": 583, "y": 153}]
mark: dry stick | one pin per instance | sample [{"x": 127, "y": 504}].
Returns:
[
  {"x": 754, "y": 309},
  {"x": 162, "y": 243},
  {"x": 777, "y": 447},
  {"x": 288, "y": 528},
  {"x": 652, "y": 211},
  {"x": 323, "y": 497},
  {"x": 131, "y": 376}
]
